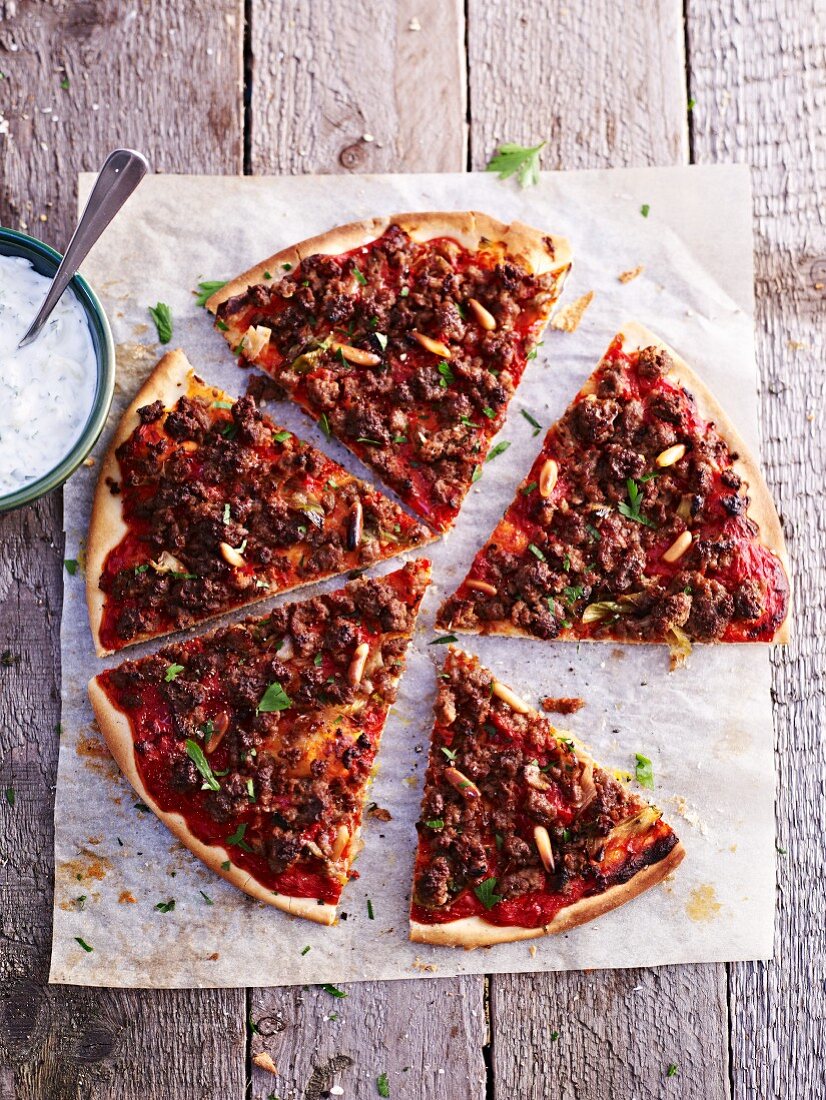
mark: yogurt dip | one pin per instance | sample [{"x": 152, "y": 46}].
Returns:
[{"x": 46, "y": 389}]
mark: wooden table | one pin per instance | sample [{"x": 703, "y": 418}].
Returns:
[{"x": 356, "y": 86}]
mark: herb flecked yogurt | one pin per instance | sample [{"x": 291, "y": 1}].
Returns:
[{"x": 47, "y": 389}]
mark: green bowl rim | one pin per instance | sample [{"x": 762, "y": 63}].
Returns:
[{"x": 105, "y": 363}]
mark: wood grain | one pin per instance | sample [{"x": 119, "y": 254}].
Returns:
[
  {"x": 130, "y": 69},
  {"x": 609, "y": 85},
  {"x": 603, "y": 83},
  {"x": 322, "y": 77},
  {"x": 356, "y": 87},
  {"x": 757, "y": 77}
]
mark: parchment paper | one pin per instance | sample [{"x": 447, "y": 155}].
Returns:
[{"x": 707, "y": 728}]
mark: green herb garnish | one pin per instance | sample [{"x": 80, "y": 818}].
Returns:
[
  {"x": 165, "y": 906},
  {"x": 645, "y": 209},
  {"x": 486, "y": 893},
  {"x": 447, "y": 374},
  {"x": 446, "y": 639},
  {"x": 499, "y": 449},
  {"x": 71, "y": 565},
  {"x": 237, "y": 838},
  {"x": 83, "y": 944},
  {"x": 162, "y": 316},
  {"x": 10, "y": 795},
  {"x": 644, "y": 771},
  {"x": 222, "y": 404},
  {"x": 528, "y": 489},
  {"x": 172, "y": 673},
  {"x": 477, "y": 473},
  {"x": 207, "y": 289},
  {"x": 519, "y": 160},
  {"x": 196, "y": 755},
  {"x": 333, "y": 990},
  {"x": 435, "y": 823},
  {"x": 449, "y": 753},
  {"x": 206, "y": 898},
  {"x": 537, "y": 553},
  {"x": 593, "y": 532},
  {"x": 324, "y": 424},
  {"x": 382, "y": 1085},
  {"x": 274, "y": 699},
  {"x": 631, "y": 509},
  {"x": 672, "y": 1070},
  {"x": 572, "y": 593},
  {"x": 537, "y": 427},
  {"x": 370, "y": 912}
]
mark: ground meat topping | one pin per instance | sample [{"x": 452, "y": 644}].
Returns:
[
  {"x": 263, "y": 738},
  {"x": 644, "y": 535},
  {"x": 526, "y": 774},
  {"x": 223, "y": 507},
  {"x": 348, "y": 341}
]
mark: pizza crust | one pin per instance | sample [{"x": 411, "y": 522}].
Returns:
[
  {"x": 470, "y": 932},
  {"x": 117, "y": 731},
  {"x": 539, "y": 252}
]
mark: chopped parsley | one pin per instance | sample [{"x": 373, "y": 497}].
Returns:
[
  {"x": 631, "y": 508},
  {"x": 207, "y": 289},
  {"x": 286, "y": 267},
  {"x": 333, "y": 990},
  {"x": 372, "y": 442},
  {"x": 405, "y": 290},
  {"x": 489, "y": 412},
  {"x": 537, "y": 553},
  {"x": 206, "y": 898},
  {"x": 532, "y": 354},
  {"x": 83, "y": 944},
  {"x": 572, "y": 593},
  {"x": 499, "y": 449},
  {"x": 71, "y": 565},
  {"x": 447, "y": 374},
  {"x": 554, "y": 1036},
  {"x": 537, "y": 427},
  {"x": 162, "y": 316},
  {"x": 399, "y": 438},
  {"x": 196, "y": 755},
  {"x": 282, "y": 437},
  {"x": 222, "y": 404},
  {"x": 672, "y": 1070},
  {"x": 519, "y": 160},
  {"x": 446, "y": 639},
  {"x": 172, "y": 673},
  {"x": 370, "y": 912},
  {"x": 359, "y": 276},
  {"x": 225, "y": 866},
  {"x": 382, "y": 1085},
  {"x": 324, "y": 424},
  {"x": 449, "y": 753},
  {"x": 566, "y": 563},
  {"x": 250, "y": 789},
  {"x": 237, "y": 838},
  {"x": 10, "y": 795},
  {"x": 477, "y": 473},
  {"x": 435, "y": 823},
  {"x": 166, "y": 906},
  {"x": 526, "y": 490},
  {"x": 468, "y": 423},
  {"x": 274, "y": 699},
  {"x": 644, "y": 771},
  {"x": 318, "y": 659},
  {"x": 305, "y": 950},
  {"x": 220, "y": 325},
  {"x": 486, "y": 893},
  {"x": 593, "y": 532},
  {"x": 645, "y": 209},
  {"x": 141, "y": 807}
]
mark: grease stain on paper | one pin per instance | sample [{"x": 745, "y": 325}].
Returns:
[{"x": 702, "y": 904}]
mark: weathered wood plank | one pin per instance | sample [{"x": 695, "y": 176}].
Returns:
[
  {"x": 357, "y": 87},
  {"x": 323, "y": 76},
  {"x": 757, "y": 74},
  {"x": 604, "y": 84},
  {"x": 131, "y": 71}
]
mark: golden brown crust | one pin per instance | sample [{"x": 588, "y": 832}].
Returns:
[
  {"x": 167, "y": 382},
  {"x": 470, "y": 932},
  {"x": 539, "y": 252},
  {"x": 761, "y": 509},
  {"x": 117, "y": 731}
]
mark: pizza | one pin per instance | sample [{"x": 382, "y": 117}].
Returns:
[
  {"x": 521, "y": 833},
  {"x": 204, "y": 505},
  {"x": 643, "y": 519},
  {"x": 254, "y": 744},
  {"x": 405, "y": 337}
]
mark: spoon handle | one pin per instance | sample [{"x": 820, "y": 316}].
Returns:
[{"x": 118, "y": 178}]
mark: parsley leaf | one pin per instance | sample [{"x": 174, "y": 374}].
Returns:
[
  {"x": 485, "y": 892},
  {"x": 225, "y": 866},
  {"x": 10, "y": 795},
  {"x": 333, "y": 990},
  {"x": 237, "y": 838},
  {"x": 489, "y": 412},
  {"x": 645, "y": 209},
  {"x": 537, "y": 427},
  {"x": 382, "y": 1085},
  {"x": 447, "y": 374},
  {"x": 281, "y": 437},
  {"x": 370, "y": 912},
  {"x": 537, "y": 553},
  {"x": 532, "y": 354},
  {"x": 359, "y": 276},
  {"x": 206, "y": 898},
  {"x": 499, "y": 449},
  {"x": 435, "y": 823},
  {"x": 305, "y": 950},
  {"x": 644, "y": 771},
  {"x": 166, "y": 906},
  {"x": 446, "y": 639},
  {"x": 274, "y": 698},
  {"x": 573, "y": 592},
  {"x": 477, "y": 473},
  {"x": 172, "y": 673},
  {"x": 71, "y": 565},
  {"x": 449, "y": 753},
  {"x": 520, "y": 160},
  {"x": 631, "y": 509},
  {"x": 593, "y": 532},
  {"x": 83, "y": 944},
  {"x": 162, "y": 316},
  {"x": 196, "y": 755},
  {"x": 324, "y": 424},
  {"x": 672, "y": 1070},
  {"x": 526, "y": 490},
  {"x": 207, "y": 289}
]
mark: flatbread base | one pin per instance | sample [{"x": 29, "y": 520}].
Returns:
[{"x": 471, "y": 932}]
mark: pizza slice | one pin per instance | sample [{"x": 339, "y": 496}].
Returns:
[
  {"x": 204, "y": 505},
  {"x": 643, "y": 519},
  {"x": 404, "y": 336},
  {"x": 521, "y": 833},
  {"x": 254, "y": 744}
]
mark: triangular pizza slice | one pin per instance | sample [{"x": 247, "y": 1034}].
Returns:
[
  {"x": 643, "y": 519},
  {"x": 254, "y": 744},
  {"x": 405, "y": 337},
  {"x": 204, "y": 505},
  {"x": 521, "y": 833}
]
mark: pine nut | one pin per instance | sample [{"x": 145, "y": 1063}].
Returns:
[
  {"x": 434, "y": 346},
  {"x": 670, "y": 455},
  {"x": 678, "y": 547},
  {"x": 461, "y": 782},
  {"x": 232, "y": 556},
  {"x": 356, "y": 526},
  {"x": 341, "y": 841},
  {"x": 548, "y": 477},
  {"x": 356, "y": 355},
  {"x": 481, "y": 586},
  {"x": 543, "y": 846},
  {"x": 220, "y": 725},
  {"x": 356, "y": 669},
  {"x": 507, "y": 696},
  {"x": 483, "y": 316}
]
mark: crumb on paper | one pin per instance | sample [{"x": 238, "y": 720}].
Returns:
[
  {"x": 563, "y": 704},
  {"x": 569, "y": 317},
  {"x": 379, "y": 812},
  {"x": 632, "y": 273},
  {"x": 689, "y": 814},
  {"x": 126, "y": 897},
  {"x": 702, "y": 904},
  {"x": 425, "y": 968},
  {"x": 214, "y": 957},
  {"x": 89, "y": 461},
  {"x": 796, "y": 345},
  {"x": 532, "y": 951},
  {"x": 414, "y": 24},
  {"x": 264, "y": 1061}
]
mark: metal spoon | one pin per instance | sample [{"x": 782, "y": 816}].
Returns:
[{"x": 120, "y": 175}]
